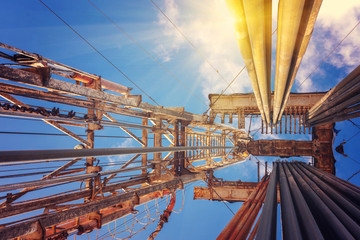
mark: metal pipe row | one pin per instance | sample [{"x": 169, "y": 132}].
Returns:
[
  {"x": 253, "y": 34},
  {"x": 340, "y": 103},
  {"x": 303, "y": 212},
  {"x": 267, "y": 225},
  {"x": 314, "y": 205},
  {"x": 329, "y": 214},
  {"x": 296, "y": 20},
  {"x": 291, "y": 227},
  {"x": 233, "y": 228}
]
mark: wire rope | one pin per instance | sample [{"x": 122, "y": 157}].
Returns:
[
  {"x": 327, "y": 56},
  {"x": 97, "y": 51}
]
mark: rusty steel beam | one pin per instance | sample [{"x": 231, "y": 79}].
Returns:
[
  {"x": 23, "y": 228},
  {"x": 37, "y": 60},
  {"x": 75, "y": 119},
  {"x": 238, "y": 193},
  {"x": 34, "y": 79},
  {"x": 281, "y": 148},
  {"x": 323, "y": 137},
  {"x": 144, "y": 139},
  {"x": 227, "y": 104},
  {"x": 125, "y": 129},
  {"x": 67, "y": 132},
  {"x": 19, "y": 208},
  {"x": 64, "y": 99}
]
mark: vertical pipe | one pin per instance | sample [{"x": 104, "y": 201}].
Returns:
[
  {"x": 344, "y": 219},
  {"x": 236, "y": 9},
  {"x": 290, "y": 224},
  {"x": 341, "y": 201},
  {"x": 227, "y": 231},
  {"x": 266, "y": 172},
  {"x": 262, "y": 126},
  {"x": 176, "y": 144},
  {"x": 183, "y": 142},
  {"x": 289, "y": 18},
  {"x": 258, "y": 27},
  {"x": 281, "y": 119},
  {"x": 295, "y": 119},
  {"x": 310, "y": 227},
  {"x": 244, "y": 226},
  {"x": 267, "y": 225},
  {"x": 300, "y": 118},
  {"x": 258, "y": 170},
  {"x": 197, "y": 144},
  {"x": 267, "y": 125},
  {"x": 345, "y": 189},
  {"x": 286, "y": 113},
  {"x": 239, "y": 119},
  {"x": 304, "y": 120},
  {"x": 330, "y": 224},
  {"x": 253, "y": 232},
  {"x": 157, "y": 143},
  {"x": 144, "y": 139},
  {"x": 290, "y": 116}
]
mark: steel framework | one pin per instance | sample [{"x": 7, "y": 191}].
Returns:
[{"x": 184, "y": 147}]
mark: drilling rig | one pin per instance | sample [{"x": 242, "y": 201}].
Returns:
[{"x": 84, "y": 188}]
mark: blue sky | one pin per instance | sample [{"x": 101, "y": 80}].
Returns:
[{"x": 30, "y": 26}]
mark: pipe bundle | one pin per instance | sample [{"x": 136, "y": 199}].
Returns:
[{"x": 252, "y": 20}]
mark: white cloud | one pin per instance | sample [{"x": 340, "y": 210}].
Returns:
[
  {"x": 171, "y": 41},
  {"x": 334, "y": 22},
  {"x": 129, "y": 142},
  {"x": 210, "y": 30}
]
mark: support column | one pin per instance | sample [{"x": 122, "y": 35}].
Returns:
[
  {"x": 145, "y": 141},
  {"x": 157, "y": 143}
]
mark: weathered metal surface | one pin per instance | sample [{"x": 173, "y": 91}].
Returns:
[
  {"x": 96, "y": 205},
  {"x": 281, "y": 148},
  {"x": 231, "y": 103},
  {"x": 243, "y": 105},
  {"x": 237, "y": 222},
  {"x": 323, "y": 137},
  {"x": 57, "y": 97},
  {"x": 19, "y": 208},
  {"x": 227, "y": 193}
]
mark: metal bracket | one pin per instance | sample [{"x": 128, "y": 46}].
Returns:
[{"x": 96, "y": 216}]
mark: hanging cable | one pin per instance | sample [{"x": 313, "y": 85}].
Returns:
[
  {"x": 96, "y": 50},
  {"x": 353, "y": 175},
  {"x": 223, "y": 91},
  {"x": 148, "y": 53},
  {"x": 332, "y": 51},
  {"x": 354, "y": 123}
]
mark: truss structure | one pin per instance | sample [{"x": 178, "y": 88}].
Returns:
[{"x": 183, "y": 146}]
